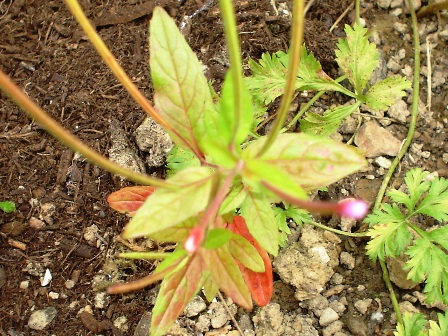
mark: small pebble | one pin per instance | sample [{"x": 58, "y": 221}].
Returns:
[
  {"x": 40, "y": 319},
  {"x": 363, "y": 305},
  {"x": 328, "y": 316},
  {"x": 347, "y": 260}
]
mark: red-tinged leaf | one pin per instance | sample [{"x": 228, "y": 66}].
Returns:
[
  {"x": 227, "y": 275},
  {"x": 176, "y": 291},
  {"x": 260, "y": 284},
  {"x": 130, "y": 199}
]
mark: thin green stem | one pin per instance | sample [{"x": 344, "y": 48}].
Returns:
[
  {"x": 343, "y": 233},
  {"x": 293, "y": 66},
  {"x": 121, "y": 75},
  {"x": 357, "y": 12},
  {"x": 233, "y": 47},
  {"x": 68, "y": 139},
  {"x": 403, "y": 150}
]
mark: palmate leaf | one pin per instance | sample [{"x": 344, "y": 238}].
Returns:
[
  {"x": 435, "y": 202},
  {"x": 168, "y": 207},
  {"x": 269, "y": 76},
  {"x": 441, "y": 328},
  {"x": 175, "y": 293},
  {"x": 389, "y": 233},
  {"x": 383, "y": 94},
  {"x": 328, "y": 123},
  {"x": 428, "y": 261},
  {"x": 413, "y": 325},
  {"x": 357, "y": 57},
  {"x": 311, "y": 161},
  {"x": 182, "y": 94},
  {"x": 283, "y": 228},
  {"x": 417, "y": 186}
]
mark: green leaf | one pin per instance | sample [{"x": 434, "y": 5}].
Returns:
[
  {"x": 389, "y": 232},
  {"x": 383, "y": 94},
  {"x": 182, "y": 95},
  {"x": 7, "y": 206},
  {"x": 260, "y": 172},
  {"x": 312, "y": 162},
  {"x": 234, "y": 199},
  {"x": 357, "y": 57},
  {"x": 168, "y": 207},
  {"x": 328, "y": 123},
  {"x": 227, "y": 274},
  {"x": 226, "y": 116},
  {"x": 177, "y": 233},
  {"x": 260, "y": 219},
  {"x": 211, "y": 287},
  {"x": 175, "y": 293},
  {"x": 217, "y": 238},
  {"x": 440, "y": 329},
  {"x": 417, "y": 186},
  {"x": 283, "y": 228},
  {"x": 413, "y": 325},
  {"x": 243, "y": 251},
  {"x": 269, "y": 76},
  {"x": 428, "y": 261},
  {"x": 178, "y": 159},
  {"x": 435, "y": 203}
]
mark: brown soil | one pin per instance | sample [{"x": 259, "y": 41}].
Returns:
[{"x": 44, "y": 51}]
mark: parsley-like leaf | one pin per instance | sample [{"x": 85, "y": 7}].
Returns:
[
  {"x": 357, "y": 57},
  {"x": 383, "y": 94},
  {"x": 413, "y": 325},
  {"x": 390, "y": 234}
]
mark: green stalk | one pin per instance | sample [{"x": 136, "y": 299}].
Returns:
[
  {"x": 357, "y": 12},
  {"x": 343, "y": 233},
  {"x": 404, "y": 148},
  {"x": 233, "y": 47},
  {"x": 293, "y": 66},
  {"x": 71, "y": 141}
]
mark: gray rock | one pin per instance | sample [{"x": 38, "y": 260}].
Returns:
[
  {"x": 317, "y": 304},
  {"x": 399, "y": 110},
  {"x": 333, "y": 328},
  {"x": 269, "y": 321},
  {"x": 376, "y": 141},
  {"x": 153, "y": 139},
  {"x": 347, "y": 260},
  {"x": 328, "y": 316},
  {"x": 144, "y": 325},
  {"x": 383, "y": 162},
  {"x": 40, "y": 319},
  {"x": 363, "y": 305},
  {"x": 195, "y": 307},
  {"x": 396, "y": 273},
  {"x": 384, "y": 3}
]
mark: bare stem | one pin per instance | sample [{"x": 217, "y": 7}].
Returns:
[
  {"x": 68, "y": 139},
  {"x": 293, "y": 66}
]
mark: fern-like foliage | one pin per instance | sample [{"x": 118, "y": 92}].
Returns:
[
  {"x": 414, "y": 325},
  {"x": 299, "y": 216},
  {"x": 427, "y": 251}
]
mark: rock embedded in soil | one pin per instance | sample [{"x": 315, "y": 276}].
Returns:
[
  {"x": 375, "y": 140},
  {"x": 195, "y": 307},
  {"x": 328, "y": 316},
  {"x": 40, "y": 319}
]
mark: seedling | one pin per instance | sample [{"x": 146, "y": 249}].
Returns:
[{"x": 7, "y": 206}]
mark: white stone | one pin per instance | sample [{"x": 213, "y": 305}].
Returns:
[
  {"x": 91, "y": 233},
  {"x": 383, "y": 162},
  {"x": 195, "y": 307},
  {"x": 46, "y": 279},
  {"x": 121, "y": 323},
  {"x": 24, "y": 284},
  {"x": 328, "y": 316},
  {"x": 363, "y": 305},
  {"x": 399, "y": 110},
  {"x": 384, "y": 3},
  {"x": 40, "y": 319},
  {"x": 101, "y": 300},
  {"x": 53, "y": 295}
]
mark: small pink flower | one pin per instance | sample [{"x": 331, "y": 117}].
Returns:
[
  {"x": 194, "y": 240},
  {"x": 352, "y": 208}
]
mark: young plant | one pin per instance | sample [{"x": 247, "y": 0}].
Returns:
[
  {"x": 394, "y": 231},
  {"x": 416, "y": 325},
  {"x": 7, "y": 206},
  {"x": 356, "y": 57}
]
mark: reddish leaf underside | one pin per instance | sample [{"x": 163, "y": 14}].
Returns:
[
  {"x": 130, "y": 199},
  {"x": 176, "y": 291},
  {"x": 260, "y": 284}
]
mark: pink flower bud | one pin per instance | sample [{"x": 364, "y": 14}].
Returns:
[
  {"x": 352, "y": 208},
  {"x": 194, "y": 240}
]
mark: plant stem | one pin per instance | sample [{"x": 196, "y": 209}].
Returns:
[
  {"x": 344, "y": 233},
  {"x": 357, "y": 12},
  {"x": 293, "y": 66},
  {"x": 68, "y": 139},
  {"x": 233, "y": 47},
  {"x": 404, "y": 148},
  {"x": 121, "y": 75}
]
